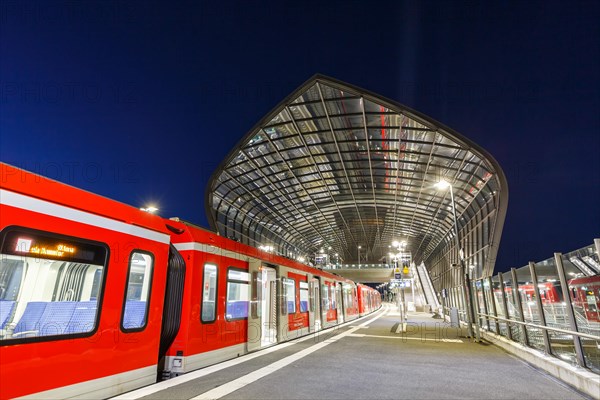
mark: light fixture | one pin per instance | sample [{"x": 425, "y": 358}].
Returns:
[{"x": 442, "y": 184}]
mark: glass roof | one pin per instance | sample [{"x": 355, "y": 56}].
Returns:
[{"x": 335, "y": 165}]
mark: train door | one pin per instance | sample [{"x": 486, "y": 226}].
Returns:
[
  {"x": 262, "y": 321},
  {"x": 341, "y": 304},
  {"x": 314, "y": 309}
]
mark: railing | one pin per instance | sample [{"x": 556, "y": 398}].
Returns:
[{"x": 552, "y": 306}]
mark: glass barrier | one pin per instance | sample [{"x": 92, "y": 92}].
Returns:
[{"x": 519, "y": 306}]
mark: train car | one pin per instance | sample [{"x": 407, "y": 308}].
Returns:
[
  {"x": 549, "y": 292},
  {"x": 135, "y": 298},
  {"x": 585, "y": 293},
  {"x": 369, "y": 299},
  {"x": 78, "y": 287},
  {"x": 239, "y": 299}
]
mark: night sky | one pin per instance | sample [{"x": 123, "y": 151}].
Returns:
[{"x": 140, "y": 101}]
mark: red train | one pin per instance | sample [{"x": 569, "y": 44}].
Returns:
[
  {"x": 584, "y": 292},
  {"x": 85, "y": 280}
]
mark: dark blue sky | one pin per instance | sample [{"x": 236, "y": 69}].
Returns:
[{"x": 140, "y": 101}]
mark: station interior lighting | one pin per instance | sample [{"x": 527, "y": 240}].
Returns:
[{"x": 268, "y": 249}]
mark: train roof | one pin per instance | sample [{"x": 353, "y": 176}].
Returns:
[
  {"x": 185, "y": 231},
  {"x": 27, "y": 183}
]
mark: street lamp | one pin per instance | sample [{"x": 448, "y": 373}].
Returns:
[
  {"x": 359, "y": 247},
  {"x": 443, "y": 185},
  {"x": 151, "y": 209}
]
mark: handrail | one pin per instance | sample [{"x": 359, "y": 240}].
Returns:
[{"x": 585, "y": 335}]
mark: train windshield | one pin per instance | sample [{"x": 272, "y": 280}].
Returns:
[{"x": 49, "y": 284}]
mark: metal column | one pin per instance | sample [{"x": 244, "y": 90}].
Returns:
[
  {"x": 567, "y": 299},
  {"x": 485, "y": 307}
]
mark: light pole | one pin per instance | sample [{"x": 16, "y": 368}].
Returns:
[
  {"x": 359, "y": 247},
  {"x": 150, "y": 209},
  {"x": 443, "y": 185}
]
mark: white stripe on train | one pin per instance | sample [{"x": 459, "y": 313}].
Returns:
[{"x": 56, "y": 210}]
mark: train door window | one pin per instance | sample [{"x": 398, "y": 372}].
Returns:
[
  {"x": 49, "y": 285},
  {"x": 325, "y": 296},
  {"x": 238, "y": 294},
  {"x": 333, "y": 297},
  {"x": 591, "y": 300},
  {"x": 289, "y": 292},
  {"x": 303, "y": 296},
  {"x": 137, "y": 293},
  {"x": 209, "y": 293},
  {"x": 313, "y": 294}
]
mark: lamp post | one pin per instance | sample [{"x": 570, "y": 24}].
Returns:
[
  {"x": 443, "y": 185},
  {"x": 359, "y": 247}
]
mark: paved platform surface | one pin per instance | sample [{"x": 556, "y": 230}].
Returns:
[{"x": 370, "y": 358}]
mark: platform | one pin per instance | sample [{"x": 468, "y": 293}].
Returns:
[{"x": 370, "y": 358}]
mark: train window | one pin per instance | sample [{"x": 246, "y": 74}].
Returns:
[
  {"x": 591, "y": 300},
  {"x": 289, "y": 290},
  {"x": 209, "y": 293},
  {"x": 333, "y": 297},
  {"x": 313, "y": 294},
  {"x": 238, "y": 294},
  {"x": 325, "y": 296},
  {"x": 350, "y": 292},
  {"x": 49, "y": 285},
  {"x": 137, "y": 293},
  {"x": 303, "y": 296}
]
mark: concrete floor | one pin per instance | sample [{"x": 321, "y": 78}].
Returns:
[{"x": 368, "y": 359}]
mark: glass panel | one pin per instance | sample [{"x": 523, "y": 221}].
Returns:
[
  {"x": 528, "y": 304},
  {"x": 238, "y": 294},
  {"x": 333, "y": 295},
  {"x": 325, "y": 296},
  {"x": 480, "y": 302},
  {"x": 513, "y": 312},
  {"x": 585, "y": 297},
  {"x": 303, "y": 296},
  {"x": 138, "y": 291},
  {"x": 49, "y": 285},
  {"x": 555, "y": 310},
  {"x": 290, "y": 295},
  {"x": 498, "y": 296},
  {"x": 209, "y": 293},
  {"x": 489, "y": 298}
]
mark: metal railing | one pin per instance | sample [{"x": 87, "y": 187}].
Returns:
[{"x": 552, "y": 306}]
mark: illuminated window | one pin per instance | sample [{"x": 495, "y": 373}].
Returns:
[
  {"x": 137, "y": 294},
  {"x": 238, "y": 294},
  {"x": 303, "y": 296},
  {"x": 49, "y": 285},
  {"x": 289, "y": 290},
  {"x": 209, "y": 293},
  {"x": 325, "y": 296}
]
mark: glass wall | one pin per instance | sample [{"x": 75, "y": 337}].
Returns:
[{"x": 552, "y": 306}]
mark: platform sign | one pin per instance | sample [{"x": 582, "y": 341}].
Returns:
[
  {"x": 405, "y": 271},
  {"x": 397, "y": 273}
]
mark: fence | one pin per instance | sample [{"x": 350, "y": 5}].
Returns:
[{"x": 552, "y": 306}]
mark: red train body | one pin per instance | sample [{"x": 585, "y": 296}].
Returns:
[
  {"x": 132, "y": 296},
  {"x": 584, "y": 293}
]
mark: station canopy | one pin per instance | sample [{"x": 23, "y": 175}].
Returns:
[{"x": 334, "y": 167}]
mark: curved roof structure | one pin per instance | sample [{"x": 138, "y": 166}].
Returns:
[{"x": 336, "y": 166}]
